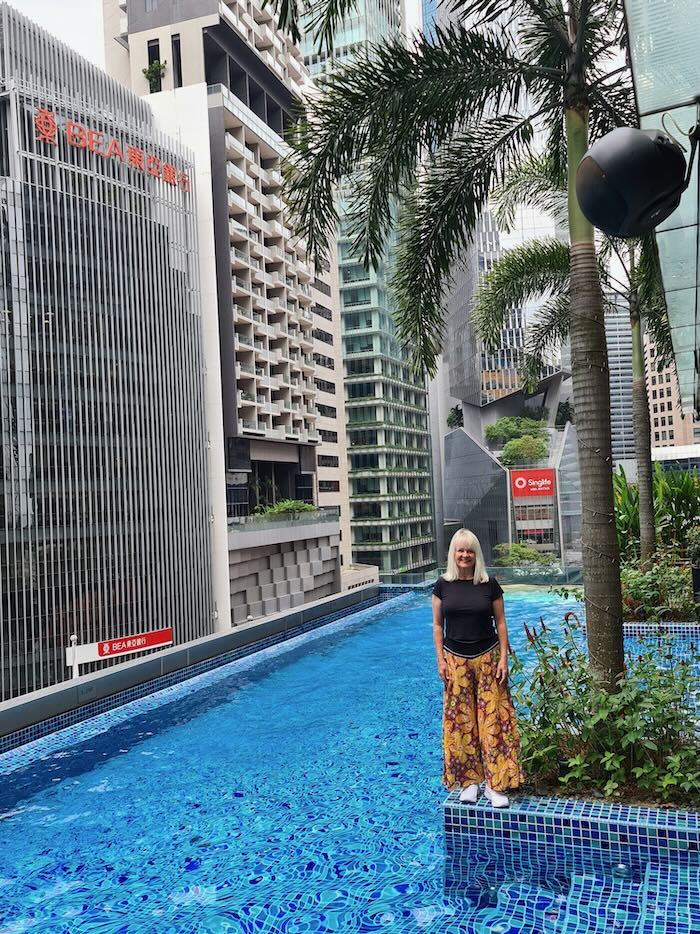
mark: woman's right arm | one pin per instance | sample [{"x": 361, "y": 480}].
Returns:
[{"x": 437, "y": 638}]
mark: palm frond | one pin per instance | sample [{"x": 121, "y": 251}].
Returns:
[
  {"x": 529, "y": 271},
  {"x": 652, "y": 300},
  {"x": 545, "y": 333},
  {"x": 537, "y": 182},
  {"x": 440, "y": 222},
  {"x": 377, "y": 116}
]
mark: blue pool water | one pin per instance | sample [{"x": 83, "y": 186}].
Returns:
[{"x": 294, "y": 791}]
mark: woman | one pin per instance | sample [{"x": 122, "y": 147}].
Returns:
[{"x": 480, "y": 735}]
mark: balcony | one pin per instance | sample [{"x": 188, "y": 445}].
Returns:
[
  {"x": 236, "y": 203},
  {"x": 234, "y": 145},
  {"x": 239, "y": 258},
  {"x": 234, "y": 174},
  {"x": 237, "y": 231}
]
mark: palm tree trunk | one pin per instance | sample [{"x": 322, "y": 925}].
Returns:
[
  {"x": 642, "y": 435},
  {"x": 589, "y": 369}
]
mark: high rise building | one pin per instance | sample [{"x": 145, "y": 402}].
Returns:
[
  {"x": 104, "y": 508},
  {"x": 618, "y": 335},
  {"x": 670, "y": 427},
  {"x": 229, "y": 89},
  {"x": 388, "y": 431}
]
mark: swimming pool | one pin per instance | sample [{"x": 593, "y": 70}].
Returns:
[{"x": 297, "y": 790}]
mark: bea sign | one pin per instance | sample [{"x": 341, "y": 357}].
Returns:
[
  {"x": 82, "y": 137},
  {"x": 532, "y": 482},
  {"x": 123, "y": 645}
]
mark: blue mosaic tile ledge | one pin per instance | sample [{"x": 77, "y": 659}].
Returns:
[
  {"x": 566, "y": 835},
  {"x": 583, "y": 867},
  {"x": 80, "y": 714}
]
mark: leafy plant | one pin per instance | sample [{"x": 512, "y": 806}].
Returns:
[
  {"x": 640, "y": 742},
  {"x": 154, "y": 74},
  {"x": 660, "y": 593},
  {"x": 518, "y": 556},
  {"x": 507, "y": 428},
  {"x": 525, "y": 450},
  {"x": 693, "y": 546},
  {"x": 676, "y": 508},
  {"x": 286, "y": 507},
  {"x": 455, "y": 418}
]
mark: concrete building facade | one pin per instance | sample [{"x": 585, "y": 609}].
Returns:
[{"x": 230, "y": 92}]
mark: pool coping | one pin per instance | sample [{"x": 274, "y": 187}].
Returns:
[
  {"x": 569, "y": 834},
  {"x": 32, "y": 716}
]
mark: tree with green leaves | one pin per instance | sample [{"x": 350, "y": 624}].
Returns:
[
  {"x": 434, "y": 126},
  {"x": 455, "y": 417},
  {"x": 539, "y": 269}
]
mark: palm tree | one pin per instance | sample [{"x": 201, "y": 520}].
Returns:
[
  {"x": 541, "y": 269},
  {"x": 434, "y": 127}
]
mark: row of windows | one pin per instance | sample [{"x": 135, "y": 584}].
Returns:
[
  {"x": 661, "y": 378},
  {"x": 328, "y": 411},
  {"x": 328, "y": 486},
  {"x": 324, "y": 385},
  {"x": 662, "y": 421},
  {"x": 328, "y": 460},
  {"x": 322, "y": 336},
  {"x": 661, "y": 393},
  {"x": 331, "y": 436},
  {"x": 322, "y": 287},
  {"x": 322, "y": 360},
  {"x": 323, "y": 312}
]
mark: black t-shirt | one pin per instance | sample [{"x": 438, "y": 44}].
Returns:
[{"x": 467, "y": 610}]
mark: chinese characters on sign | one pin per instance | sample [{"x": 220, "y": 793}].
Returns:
[
  {"x": 126, "y": 644},
  {"x": 82, "y": 137}
]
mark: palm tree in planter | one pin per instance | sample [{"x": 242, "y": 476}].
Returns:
[
  {"x": 433, "y": 128},
  {"x": 541, "y": 269}
]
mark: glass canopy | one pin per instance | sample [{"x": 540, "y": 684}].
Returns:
[{"x": 666, "y": 73}]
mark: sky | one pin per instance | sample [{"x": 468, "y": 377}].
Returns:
[{"x": 78, "y": 23}]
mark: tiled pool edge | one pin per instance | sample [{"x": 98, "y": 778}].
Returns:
[
  {"x": 172, "y": 666},
  {"x": 562, "y": 836}
]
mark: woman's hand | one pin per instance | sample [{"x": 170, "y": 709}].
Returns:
[
  {"x": 442, "y": 668},
  {"x": 502, "y": 669}
]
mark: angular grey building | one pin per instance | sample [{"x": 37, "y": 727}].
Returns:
[{"x": 104, "y": 519}]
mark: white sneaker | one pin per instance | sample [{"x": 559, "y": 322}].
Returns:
[
  {"x": 496, "y": 798},
  {"x": 469, "y": 794}
]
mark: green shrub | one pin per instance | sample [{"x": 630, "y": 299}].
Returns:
[
  {"x": 693, "y": 546},
  {"x": 518, "y": 556},
  {"x": 508, "y": 428},
  {"x": 676, "y": 509},
  {"x": 455, "y": 417},
  {"x": 663, "y": 592},
  {"x": 285, "y": 506},
  {"x": 640, "y": 743},
  {"x": 525, "y": 450}
]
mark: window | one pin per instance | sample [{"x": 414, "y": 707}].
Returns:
[
  {"x": 322, "y": 287},
  {"x": 361, "y": 366},
  {"x": 328, "y": 435},
  {"x": 177, "y": 61},
  {"x": 364, "y": 461},
  {"x": 322, "y": 336},
  {"x": 328, "y": 486},
  {"x": 324, "y": 385},
  {"x": 321, "y": 360},
  {"x": 323, "y": 312},
  {"x": 154, "y": 56},
  {"x": 327, "y": 460},
  {"x": 328, "y": 411}
]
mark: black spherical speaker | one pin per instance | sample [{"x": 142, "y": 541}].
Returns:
[{"x": 630, "y": 180}]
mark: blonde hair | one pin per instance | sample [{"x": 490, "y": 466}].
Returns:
[{"x": 466, "y": 539}]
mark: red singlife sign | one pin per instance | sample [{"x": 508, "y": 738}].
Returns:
[
  {"x": 136, "y": 643},
  {"x": 532, "y": 482},
  {"x": 81, "y": 137}
]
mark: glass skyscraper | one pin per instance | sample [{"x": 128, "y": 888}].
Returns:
[{"x": 104, "y": 519}]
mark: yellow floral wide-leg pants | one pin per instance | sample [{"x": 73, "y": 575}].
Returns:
[{"x": 479, "y": 732}]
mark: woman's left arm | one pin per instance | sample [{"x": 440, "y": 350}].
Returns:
[{"x": 499, "y": 614}]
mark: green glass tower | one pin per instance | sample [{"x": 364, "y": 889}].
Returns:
[{"x": 389, "y": 445}]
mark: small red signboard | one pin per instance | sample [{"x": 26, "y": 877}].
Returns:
[
  {"x": 532, "y": 482},
  {"x": 136, "y": 643}
]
